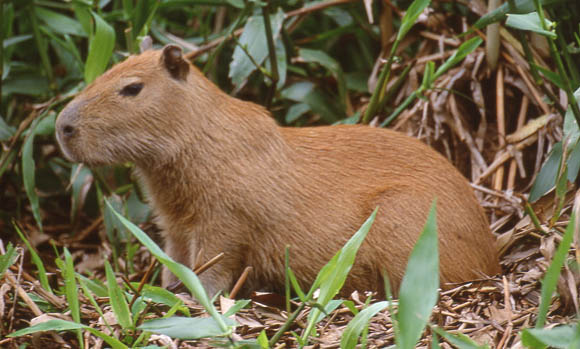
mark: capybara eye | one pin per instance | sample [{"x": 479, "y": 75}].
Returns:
[{"x": 132, "y": 90}]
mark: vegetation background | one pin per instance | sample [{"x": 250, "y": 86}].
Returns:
[{"x": 494, "y": 93}]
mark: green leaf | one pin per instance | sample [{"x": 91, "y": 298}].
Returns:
[
  {"x": 254, "y": 40},
  {"x": 117, "y": 299},
  {"x": 553, "y": 273},
  {"x": 296, "y": 111},
  {"x": 411, "y": 16},
  {"x": 331, "y": 277},
  {"x": 70, "y": 286},
  {"x": 550, "y": 75},
  {"x": 36, "y": 260},
  {"x": 101, "y": 46},
  {"x": 6, "y": 131},
  {"x": 530, "y": 22},
  {"x": 29, "y": 85},
  {"x": 240, "y": 304},
  {"x": 322, "y": 58},
  {"x": 521, "y": 6},
  {"x": 187, "y": 328},
  {"x": 355, "y": 327},
  {"x": 59, "y": 23},
  {"x": 546, "y": 179},
  {"x": 280, "y": 63},
  {"x": 28, "y": 173},
  {"x": 183, "y": 273},
  {"x": 63, "y": 325},
  {"x": 143, "y": 15},
  {"x": 7, "y": 259},
  {"x": 458, "y": 340},
  {"x": 263, "y": 340},
  {"x": 558, "y": 337},
  {"x": 418, "y": 293},
  {"x": 463, "y": 50},
  {"x": 95, "y": 286}
]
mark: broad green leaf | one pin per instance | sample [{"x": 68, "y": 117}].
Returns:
[
  {"x": 571, "y": 130},
  {"x": 418, "y": 293},
  {"x": 117, "y": 299},
  {"x": 463, "y": 50},
  {"x": 28, "y": 173},
  {"x": 6, "y": 131},
  {"x": 458, "y": 340},
  {"x": 280, "y": 63},
  {"x": 322, "y": 58},
  {"x": 254, "y": 40},
  {"x": 546, "y": 179},
  {"x": 95, "y": 286},
  {"x": 411, "y": 16},
  {"x": 7, "y": 259},
  {"x": 297, "y": 92},
  {"x": 59, "y": 23},
  {"x": 183, "y": 273},
  {"x": 36, "y": 260},
  {"x": 355, "y": 327},
  {"x": 187, "y": 328},
  {"x": 530, "y": 22},
  {"x": 558, "y": 337},
  {"x": 574, "y": 163},
  {"x": 553, "y": 273},
  {"x": 63, "y": 325},
  {"x": 521, "y": 6},
  {"x": 101, "y": 44},
  {"x": 296, "y": 111}
]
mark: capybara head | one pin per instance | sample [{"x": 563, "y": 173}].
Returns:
[{"x": 125, "y": 114}]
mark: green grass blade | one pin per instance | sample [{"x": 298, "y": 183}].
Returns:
[
  {"x": 459, "y": 340},
  {"x": 117, "y": 299},
  {"x": 101, "y": 47},
  {"x": 463, "y": 50},
  {"x": 28, "y": 173},
  {"x": 553, "y": 273},
  {"x": 411, "y": 16},
  {"x": 187, "y": 328},
  {"x": 63, "y": 325},
  {"x": 355, "y": 327},
  {"x": 7, "y": 259},
  {"x": 332, "y": 276},
  {"x": 70, "y": 287},
  {"x": 36, "y": 260},
  {"x": 185, "y": 274},
  {"x": 418, "y": 293}
]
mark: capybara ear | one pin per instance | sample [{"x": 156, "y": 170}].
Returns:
[
  {"x": 172, "y": 59},
  {"x": 146, "y": 44}
]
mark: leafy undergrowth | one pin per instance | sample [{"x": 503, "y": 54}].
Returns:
[{"x": 497, "y": 122}]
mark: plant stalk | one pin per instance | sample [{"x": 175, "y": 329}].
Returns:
[{"x": 274, "y": 76}]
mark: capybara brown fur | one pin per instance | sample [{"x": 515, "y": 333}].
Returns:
[{"x": 222, "y": 176}]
